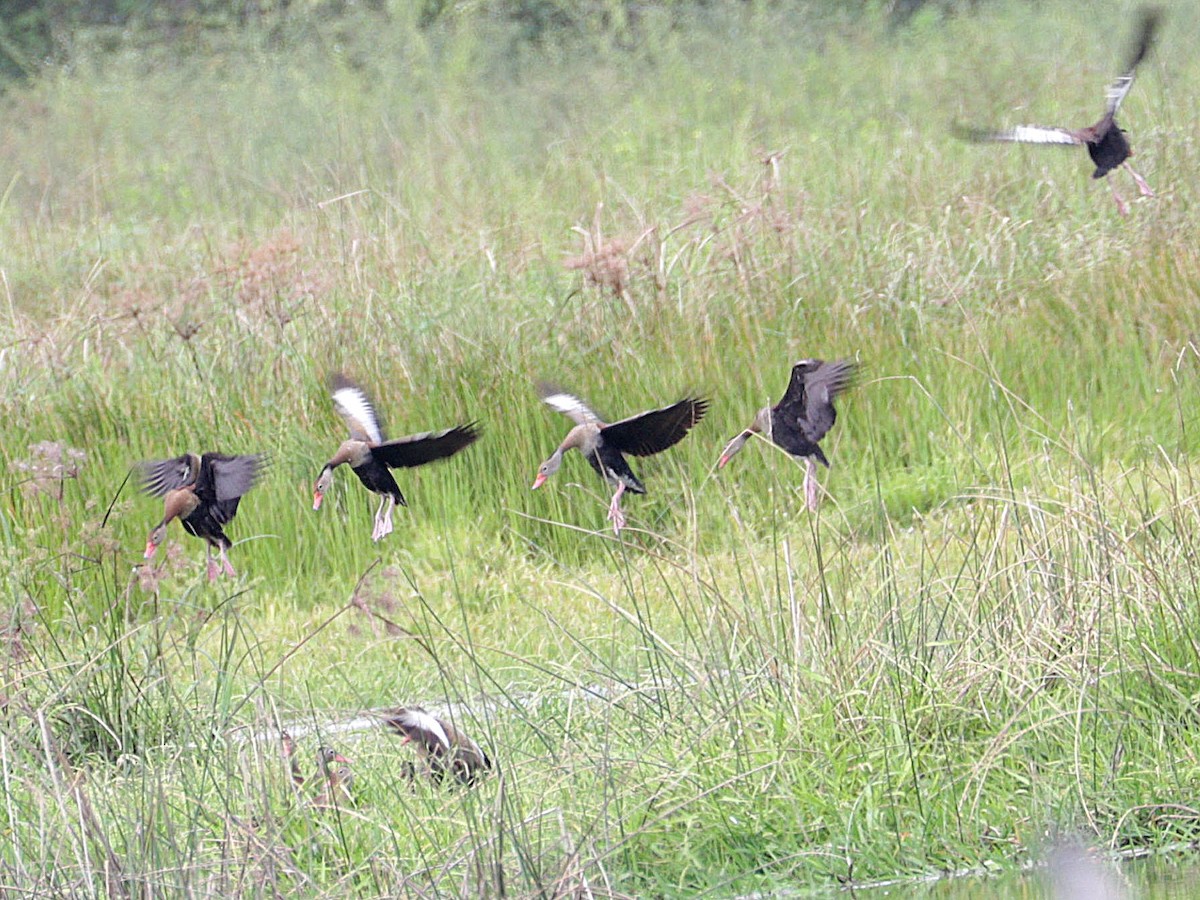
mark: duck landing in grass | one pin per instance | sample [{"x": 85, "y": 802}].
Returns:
[
  {"x": 1105, "y": 141},
  {"x": 203, "y": 492},
  {"x": 372, "y": 458},
  {"x": 604, "y": 446},
  {"x": 804, "y": 416},
  {"x": 444, "y": 750}
]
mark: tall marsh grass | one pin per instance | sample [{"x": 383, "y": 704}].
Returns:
[{"x": 984, "y": 639}]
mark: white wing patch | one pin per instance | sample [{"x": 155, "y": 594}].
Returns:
[
  {"x": 418, "y": 718},
  {"x": 1037, "y": 134},
  {"x": 1116, "y": 93},
  {"x": 571, "y": 406},
  {"x": 353, "y": 406}
]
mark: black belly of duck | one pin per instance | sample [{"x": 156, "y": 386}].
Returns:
[
  {"x": 792, "y": 440},
  {"x": 207, "y": 521},
  {"x": 377, "y": 477},
  {"x": 613, "y": 468},
  {"x": 1110, "y": 151}
]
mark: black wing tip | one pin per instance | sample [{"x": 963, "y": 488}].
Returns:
[
  {"x": 852, "y": 367},
  {"x": 1149, "y": 19},
  {"x": 339, "y": 380},
  {"x": 151, "y": 474},
  {"x": 471, "y": 431},
  {"x": 546, "y": 388},
  {"x": 972, "y": 134},
  {"x": 143, "y": 472},
  {"x": 699, "y": 407},
  {"x": 259, "y": 459},
  {"x": 261, "y": 462},
  {"x": 463, "y": 435}
]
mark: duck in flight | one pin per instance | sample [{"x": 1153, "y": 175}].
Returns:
[
  {"x": 203, "y": 492},
  {"x": 1106, "y": 142},
  {"x": 371, "y": 457},
  {"x": 802, "y": 417},
  {"x": 604, "y": 446}
]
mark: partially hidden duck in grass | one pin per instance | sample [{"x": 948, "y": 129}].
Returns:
[
  {"x": 801, "y": 418},
  {"x": 336, "y": 777},
  {"x": 203, "y": 492},
  {"x": 444, "y": 750},
  {"x": 1106, "y": 142},
  {"x": 372, "y": 457},
  {"x": 604, "y": 445}
]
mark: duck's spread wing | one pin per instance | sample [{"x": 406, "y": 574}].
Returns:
[
  {"x": 1147, "y": 28},
  {"x": 571, "y": 406},
  {"x": 823, "y": 386},
  {"x": 808, "y": 401},
  {"x": 652, "y": 432},
  {"x": 1151, "y": 17},
  {"x": 225, "y": 478},
  {"x": 418, "y": 449},
  {"x": 158, "y": 476},
  {"x": 418, "y": 725},
  {"x": 353, "y": 405},
  {"x": 1116, "y": 94},
  {"x": 1020, "y": 134}
]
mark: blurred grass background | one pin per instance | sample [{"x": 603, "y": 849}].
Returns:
[{"x": 986, "y": 635}]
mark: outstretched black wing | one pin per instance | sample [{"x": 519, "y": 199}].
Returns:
[
  {"x": 418, "y": 449},
  {"x": 808, "y": 401},
  {"x": 1148, "y": 25},
  {"x": 158, "y": 476},
  {"x": 652, "y": 432},
  {"x": 223, "y": 478}
]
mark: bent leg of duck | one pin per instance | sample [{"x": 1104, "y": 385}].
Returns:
[
  {"x": 614, "y": 510},
  {"x": 376, "y": 532},
  {"x": 811, "y": 488},
  {"x": 387, "y": 517},
  {"x": 383, "y": 519},
  {"x": 1139, "y": 181},
  {"x": 1122, "y": 208},
  {"x": 227, "y": 565}
]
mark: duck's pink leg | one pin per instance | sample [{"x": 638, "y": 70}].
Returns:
[
  {"x": 1140, "y": 181},
  {"x": 1122, "y": 208},
  {"x": 387, "y": 517},
  {"x": 377, "y": 531},
  {"x": 614, "y": 510},
  {"x": 213, "y": 568},
  {"x": 811, "y": 488},
  {"x": 227, "y": 565}
]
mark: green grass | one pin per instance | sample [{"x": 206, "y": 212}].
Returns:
[{"x": 985, "y": 638}]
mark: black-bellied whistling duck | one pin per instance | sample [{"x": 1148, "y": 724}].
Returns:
[
  {"x": 1105, "y": 141},
  {"x": 337, "y": 776},
  {"x": 203, "y": 493},
  {"x": 444, "y": 749},
  {"x": 336, "y": 792},
  {"x": 804, "y": 416},
  {"x": 604, "y": 446},
  {"x": 372, "y": 457},
  {"x": 326, "y": 757}
]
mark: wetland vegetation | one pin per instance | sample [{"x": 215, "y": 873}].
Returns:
[{"x": 986, "y": 638}]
